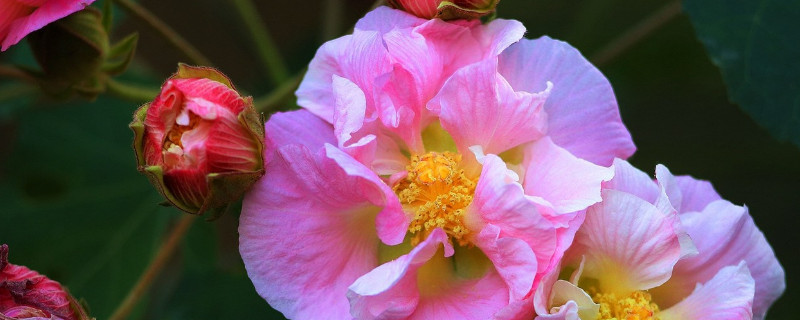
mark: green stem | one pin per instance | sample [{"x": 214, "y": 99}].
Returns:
[
  {"x": 131, "y": 92},
  {"x": 165, "y": 252},
  {"x": 175, "y": 39},
  {"x": 636, "y": 33},
  {"x": 266, "y": 47},
  {"x": 269, "y": 102},
  {"x": 16, "y": 73}
]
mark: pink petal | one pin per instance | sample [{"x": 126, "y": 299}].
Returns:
[
  {"x": 474, "y": 299},
  {"x": 500, "y": 202},
  {"x": 206, "y": 96},
  {"x": 582, "y": 111},
  {"x": 634, "y": 181},
  {"x": 312, "y": 212},
  {"x": 297, "y": 127},
  {"x": 628, "y": 243},
  {"x": 517, "y": 310},
  {"x": 696, "y": 193},
  {"x": 383, "y": 19},
  {"x": 49, "y": 11},
  {"x": 513, "y": 259},
  {"x": 390, "y": 290},
  {"x": 568, "y": 183},
  {"x": 726, "y": 296},
  {"x": 478, "y": 107},
  {"x": 724, "y": 235},
  {"x": 360, "y": 58}
]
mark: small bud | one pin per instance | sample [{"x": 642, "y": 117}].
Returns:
[
  {"x": 199, "y": 142},
  {"x": 446, "y": 10},
  {"x": 26, "y": 294}
]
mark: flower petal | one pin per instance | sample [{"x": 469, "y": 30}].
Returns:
[
  {"x": 627, "y": 242},
  {"x": 49, "y": 11},
  {"x": 311, "y": 212},
  {"x": 513, "y": 259},
  {"x": 297, "y": 127},
  {"x": 697, "y": 194},
  {"x": 634, "y": 181},
  {"x": 726, "y": 296},
  {"x": 725, "y": 234},
  {"x": 390, "y": 290},
  {"x": 478, "y": 107},
  {"x": 582, "y": 111},
  {"x": 568, "y": 183},
  {"x": 359, "y": 57}
]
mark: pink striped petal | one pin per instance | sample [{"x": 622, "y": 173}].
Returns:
[{"x": 726, "y": 296}]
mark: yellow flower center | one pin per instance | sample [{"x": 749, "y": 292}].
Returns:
[
  {"x": 636, "y": 306},
  {"x": 436, "y": 191}
]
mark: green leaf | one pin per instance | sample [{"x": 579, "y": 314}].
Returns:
[
  {"x": 756, "y": 46},
  {"x": 121, "y": 55}
]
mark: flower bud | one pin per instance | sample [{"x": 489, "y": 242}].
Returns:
[
  {"x": 446, "y": 10},
  {"x": 199, "y": 142},
  {"x": 26, "y": 294}
]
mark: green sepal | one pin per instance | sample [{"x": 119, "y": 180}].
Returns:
[
  {"x": 137, "y": 125},
  {"x": 156, "y": 176},
  {"x": 449, "y": 10},
  {"x": 121, "y": 55},
  {"x": 226, "y": 188},
  {"x": 186, "y": 71}
]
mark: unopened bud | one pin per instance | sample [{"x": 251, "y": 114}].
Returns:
[
  {"x": 199, "y": 142},
  {"x": 446, "y": 10}
]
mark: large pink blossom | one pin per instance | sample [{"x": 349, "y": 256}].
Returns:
[
  {"x": 666, "y": 249},
  {"x": 438, "y": 170},
  {"x": 18, "y": 18}
]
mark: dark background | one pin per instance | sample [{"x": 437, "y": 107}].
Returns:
[{"x": 75, "y": 202}]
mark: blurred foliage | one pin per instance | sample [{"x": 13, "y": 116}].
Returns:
[
  {"x": 757, "y": 48},
  {"x": 75, "y": 208}
]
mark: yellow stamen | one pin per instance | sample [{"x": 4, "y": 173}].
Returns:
[
  {"x": 437, "y": 192},
  {"x": 636, "y": 306}
]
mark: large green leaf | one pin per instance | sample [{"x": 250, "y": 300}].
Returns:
[{"x": 756, "y": 45}]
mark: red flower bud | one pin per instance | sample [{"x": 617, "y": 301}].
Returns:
[
  {"x": 446, "y": 9},
  {"x": 199, "y": 141},
  {"x": 26, "y": 294}
]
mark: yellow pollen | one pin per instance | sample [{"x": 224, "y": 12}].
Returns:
[
  {"x": 437, "y": 192},
  {"x": 636, "y": 306},
  {"x": 173, "y": 137}
]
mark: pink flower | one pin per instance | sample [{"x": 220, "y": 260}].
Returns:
[
  {"x": 25, "y": 294},
  {"x": 18, "y": 18},
  {"x": 671, "y": 249},
  {"x": 438, "y": 170},
  {"x": 199, "y": 142}
]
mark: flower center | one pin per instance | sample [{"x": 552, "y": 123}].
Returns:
[
  {"x": 185, "y": 121},
  {"x": 636, "y": 306},
  {"x": 436, "y": 191}
]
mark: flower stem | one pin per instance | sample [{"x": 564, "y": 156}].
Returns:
[
  {"x": 637, "y": 33},
  {"x": 130, "y": 92},
  {"x": 17, "y": 73},
  {"x": 165, "y": 252},
  {"x": 265, "y": 45},
  {"x": 269, "y": 102},
  {"x": 165, "y": 31}
]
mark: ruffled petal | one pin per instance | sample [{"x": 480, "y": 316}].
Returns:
[
  {"x": 634, "y": 181},
  {"x": 312, "y": 212},
  {"x": 471, "y": 299},
  {"x": 500, "y": 202},
  {"x": 359, "y": 57},
  {"x": 567, "y": 183},
  {"x": 49, "y": 11},
  {"x": 513, "y": 259},
  {"x": 697, "y": 194},
  {"x": 724, "y": 235},
  {"x": 582, "y": 111},
  {"x": 383, "y": 19},
  {"x": 628, "y": 243},
  {"x": 478, "y": 107},
  {"x": 568, "y": 311},
  {"x": 390, "y": 290},
  {"x": 564, "y": 292},
  {"x": 726, "y": 296}
]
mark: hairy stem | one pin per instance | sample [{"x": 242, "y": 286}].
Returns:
[
  {"x": 636, "y": 33},
  {"x": 165, "y": 252},
  {"x": 131, "y": 92},
  {"x": 175, "y": 39}
]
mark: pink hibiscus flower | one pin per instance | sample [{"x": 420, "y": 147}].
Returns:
[
  {"x": 671, "y": 249},
  {"x": 439, "y": 169},
  {"x": 18, "y": 18}
]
